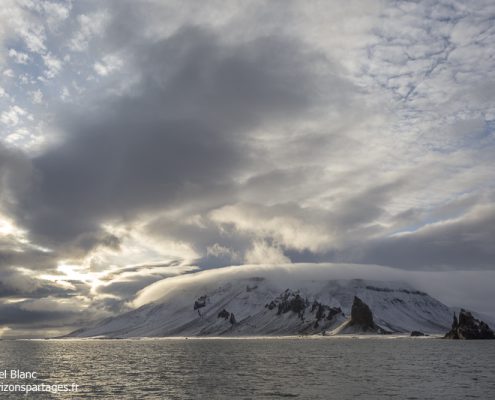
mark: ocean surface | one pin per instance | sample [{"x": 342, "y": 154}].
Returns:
[{"x": 334, "y": 368}]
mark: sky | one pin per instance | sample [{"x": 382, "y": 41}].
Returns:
[{"x": 141, "y": 140}]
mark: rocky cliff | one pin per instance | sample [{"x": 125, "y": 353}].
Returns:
[
  {"x": 468, "y": 328},
  {"x": 361, "y": 320}
]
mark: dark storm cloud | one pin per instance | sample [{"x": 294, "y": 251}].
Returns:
[
  {"x": 228, "y": 87},
  {"x": 464, "y": 243},
  {"x": 118, "y": 170},
  {"x": 178, "y": 138},
  {"x": 458, "y": 235},
  {"x": 45, "y": 313},
  {"x": 15, "y": 176},
  {"x": 14, "y": 314},
  {"x": 43, "y": 290},
  {"x": 14, "y": 253},
  {"x": 18, "y": 283}
]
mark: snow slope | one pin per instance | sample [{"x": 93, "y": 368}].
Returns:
[{"x": 253, "y": 301}]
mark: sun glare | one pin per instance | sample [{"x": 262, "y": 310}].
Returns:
[
  {"x": 7, "y": 227},
  {"x": 71, "y": 272}
]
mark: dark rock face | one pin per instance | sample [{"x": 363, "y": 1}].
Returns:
[
  {"x": 289, "y": 301},
  {"x": 320, "y": 309},
  {"x": 378, "y": 289},
  {"x": 227, "y": 316},
  {"x": 361, "y": 314},
  {"x": 315, "y": 316},
  {"x": 469, "y": 328},
  {"x": 200, "y": 302},
  {"x": 271, "y": 305},
  {"x": 295, "y": 304},
  {"x": 324, "y": 311},
  {"x": 362, "y": 317},
  {"x": 333, "y": 311},
  {"x": 455, "y": 322},
  {"x": 417, "y": 333}
]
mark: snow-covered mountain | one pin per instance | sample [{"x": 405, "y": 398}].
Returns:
[{"x": 253, "y": 301}]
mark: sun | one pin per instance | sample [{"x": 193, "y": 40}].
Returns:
[{"x": 72, "y": 272}]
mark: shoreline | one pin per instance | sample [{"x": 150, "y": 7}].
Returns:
[{"x": 288, "y": 337}]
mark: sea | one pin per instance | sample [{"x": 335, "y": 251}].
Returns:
[{"x": 260, "y": 368}]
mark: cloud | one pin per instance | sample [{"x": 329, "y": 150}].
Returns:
[
  {"x": 90, "y": 25},
  {"x": 56, "y": 13},
  {"x": 18, "y": 56},
  {"x": 287, "y": 224},
  {"x": 19, "y": 283},
  {"x": 53, "y": 65},
  {"x": 452, "y": 288},
  {"x": 181, "y": 134},
  {"x": 458, "y": 243},
  {"x": 46, "y": 317},
  {"x": 21, "y": 313},
  {"x": 109, "y": 64},
  {"x": 12, "y": 116},
  {"x": 263, "y": 253},
  {"x": 124, "y": 283},
  {"x": 18, "y": 21},
  {"x": 37, "y": 96},
  {"x": 15, "y": 176}
]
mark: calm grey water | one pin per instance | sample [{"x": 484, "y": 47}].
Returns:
[{"x": 257, "y": 369}]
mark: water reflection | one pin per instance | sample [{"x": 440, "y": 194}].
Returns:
[{"x": 268, "y": 368}]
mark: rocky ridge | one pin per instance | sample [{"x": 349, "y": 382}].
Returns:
[{"x": 467, "y": 327}]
